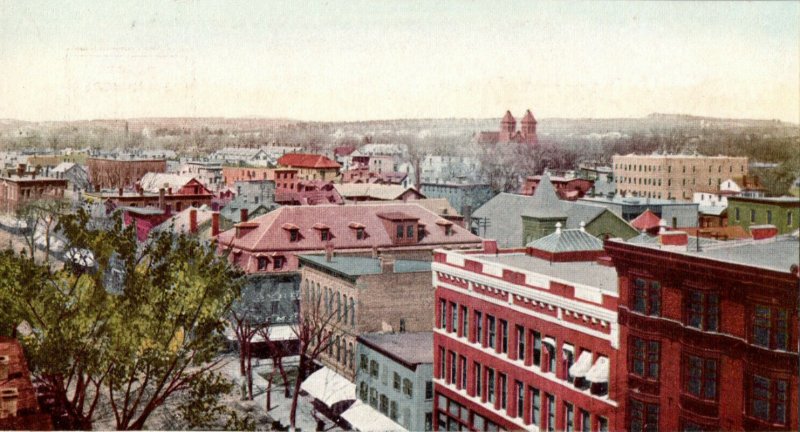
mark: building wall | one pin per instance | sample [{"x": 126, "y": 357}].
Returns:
[
  {"x": 608, "y": 224},
  {"x": 411, "y": 410},
  {"x": 535, "y": 228},
  {"x": 740, "y": 290},
  {"x": 14, "y": 193},
  {"x": 746, "y": 213},
  {"x": 674, "y": 177},
  {"x": 466, "y": 283},
  {"x": 462, "y": 198},
  {"x": 120, "y": 173}
]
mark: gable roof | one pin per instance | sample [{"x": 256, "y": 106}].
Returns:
[
  {"x": 306, "y": 160},
  {"x": 269, "y": 234},
  {"x": 179, "y": 223},
  {"x": 152, "y": 182},
  {"x": 645, "y": 221},
  {"x": 385, "y": 192}
]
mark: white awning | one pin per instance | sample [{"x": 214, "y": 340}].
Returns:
[
  {"x": 599, "y": 372},
  {"x": 582, "y": 366},
  {"x": 568, "y": 347},
  {"x": 328, "y": 387},
  {"x": 550, "y": 341},
  {"x": 364, "y": 418},
  {"x": 277, "y": 333}
]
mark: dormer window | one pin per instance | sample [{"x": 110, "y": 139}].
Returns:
[
  {"x": 400, "y": 230},
  {"x": 278, "y": 262},
  {"x": 262, "y": 263},
  {"x": 325, "y": 235},
  {"x": 361, "y": 233},
  {"x": 294, "y": 232},
  {"x": 410, "y": 231},
  {"x": 448, "y": 230},
  {"x": 447, "y": 225},
  {"x": 420, "y": 232}
]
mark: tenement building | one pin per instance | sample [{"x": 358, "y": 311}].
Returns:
[
  {"x": 19, "y": 188},
  {"x": 527, "y": 339},
  {"x": 709, "y": 334},
  {"x": 675, "y": 177}
]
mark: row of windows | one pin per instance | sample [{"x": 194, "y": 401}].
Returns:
[
  {"x": 769, "y": 325},
  {"x": 653, "y": 168},
  {"x": 404, "y": 385},
  {"x": 382, "y": 403},
  {"x": 325, "y": 234},
  {"x": 527, "y": 345},
  {"x": 753, "y": 214},
  {"x": 336, "y": 306},
  {"x": 344, "y": 353}
]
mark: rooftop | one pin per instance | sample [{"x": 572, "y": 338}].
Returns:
[
  {"x": 409, "y": 348},
  {"x": 619, "y": 200},
  {"x": 361, "y": 266},
  {"x": 581, "y": 272},
  {"x": 570, "y": 240},
  {"x": 307, "y": 160},
  {"x": 781, "y": 199}
]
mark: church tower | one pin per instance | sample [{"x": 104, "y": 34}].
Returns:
[
  {"x": 508, "y": 127},
  {"x": 528, "y": 128}
]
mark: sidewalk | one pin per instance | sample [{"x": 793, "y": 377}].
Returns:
[{"x": 306, "y": 414}]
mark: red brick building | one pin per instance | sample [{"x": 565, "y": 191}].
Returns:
[
  {"x": 310, "y": 166},
  {"x": 569, "y": 189},
  {"x": 17, "y": 189},
  {"x": 159, "y": 191},
  {"x": 709, "y": 336},
  {"x": 121, "y": 173},
  {"x": 527, "y": 339},
  {"x": 19, "y": 406},
  {"x": 284, "y": 178},
  {"x": 508, "y": 132}
]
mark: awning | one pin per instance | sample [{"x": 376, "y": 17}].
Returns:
[
  {"x": 599, "y": 372},
  {"x": 364, "y": 418},
  {"x": 549, "y": 341},
  {"x": 568, "y": 347},
  {"x": 329, "y": 387},
  {"x": 582, "y": 366},
  {"x": 277, "y": 333}
]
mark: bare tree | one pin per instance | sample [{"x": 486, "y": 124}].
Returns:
[
  {"x": 41, "y": 217},
  {"x": 248, "y": 318}
]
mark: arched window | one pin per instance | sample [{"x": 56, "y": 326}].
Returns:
[
  {"x": 326, "y": 299},
  {"x": 338, "y": 307},
  {"x": 338, "y": 350},
  {"x": 352, "y": 355},
  {"x": 352, "y": 312},
  {"x": 345, "y": 307}
]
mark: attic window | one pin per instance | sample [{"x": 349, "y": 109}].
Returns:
[
  {"x": 360, "y": 234},
  {"x": 262, "y": 263},
  {"x": 448, "y": 226},
  {"x": 421, "y": 232},
  {"x": 278, "y": 262},
  {"x": 325, "y": 235}
]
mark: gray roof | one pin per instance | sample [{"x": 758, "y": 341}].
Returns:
[
  {"x": 410, "y": 348},
  {"x": 715, "y": 210},
  {"x": 652, "y": 240},
  {"x": 571, "y": 240},
  {"x": 545, "y": 202},
  {"x": 582, "y": 272},
  {"x": 359, "y": 266}
]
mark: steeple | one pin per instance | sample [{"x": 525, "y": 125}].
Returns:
[
  {"x": 508, "y": 127},
  {"x": 528, "y": 129}
]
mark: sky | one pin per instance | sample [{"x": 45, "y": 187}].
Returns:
[{"x": 369, "y": 60}]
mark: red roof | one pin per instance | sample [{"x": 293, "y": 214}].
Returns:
[
  {"x": 508, "y": 118},
  {"x": 646, "y": 221},
  {"x": 528, "y": 117},
  {"x": 306, "y": 160}
]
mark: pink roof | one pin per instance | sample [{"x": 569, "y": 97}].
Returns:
[
  {"x": 646, "y": 221},
  {"x": 306, "y": 160},
  {"x": 528, "y": 117},
  {"x": 270, "y": 235},
  {"x": 508, "y": 118}
]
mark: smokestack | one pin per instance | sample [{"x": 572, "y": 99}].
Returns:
[
  {"x": 161, "y": 198},
  {"x": 169, "y": 191},
  {"x": 243, "y": 215},
  {"x": 328, "y": 252},
  {"x": 214, "y": 224},
  {"x": 193, "y": 221}
]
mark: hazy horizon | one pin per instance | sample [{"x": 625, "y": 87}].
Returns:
[{"x": 365, "y": 61}]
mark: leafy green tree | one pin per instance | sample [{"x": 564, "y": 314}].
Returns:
[{"x": 131, "y": 326}]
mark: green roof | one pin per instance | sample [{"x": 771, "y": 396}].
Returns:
[
  {"x": 359, "y": 266},
  {"x": 572, "y": 240}
]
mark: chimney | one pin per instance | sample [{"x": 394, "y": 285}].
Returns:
[
  {"x": 214, "y": 224},
  {"x": 193, "y": 220},
  {"x": 328, "y": 251},
  {"x": 120, "y": 191},
  {"x": 763, "y": 233},
  {"x": 674, "y": 240},
  {"x": 21, "y": 170},
  {"x": 243, "y": 215},
  {"x": 583, "y": 226},
  {"x": 375, "y": 253},
  {"x": 4, "y": 361},
  {"x": 169, "y": 191},
  {"x": 387, "y": 264},
  {"x": 489, "y": 246},
  {"x": 161, "y": 198},
  {"x": 8, "y": 400}
]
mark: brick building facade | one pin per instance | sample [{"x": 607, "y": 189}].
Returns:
[
  {"x": 121, "y": 173},
  {"x": 16, "y": 190}
]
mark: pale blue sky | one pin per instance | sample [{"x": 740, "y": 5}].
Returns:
[{"x": 379, "y": 60}]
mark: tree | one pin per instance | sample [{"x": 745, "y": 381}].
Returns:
[
  {"x": 138, "y": 324},
  {"x": 41, "y": 217},
  {"x": 248, "y": 318}
]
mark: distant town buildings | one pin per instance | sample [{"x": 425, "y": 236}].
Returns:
[
  {"x": 18, "y": 188},
  {"x": 508, "y": 132},
  {"x": 674, "y": 177},
  {"x": 121, "y": 173},
  {"x": 310, "y": 166},
  {"x": 463, "y": 196},
  {"x": 569, "y": 189}
]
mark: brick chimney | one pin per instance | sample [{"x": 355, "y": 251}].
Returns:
[
  {"x": 8, "y": 398},
  {"x": 214, "y": 224},
  {"x": 674, "y": 240},
  {"x": 387, "y": 264},
  {"x": 375, "y": 253},
  {"x": 4, "y": 362},
  {"x": 193, "y": 221},
  {"x": 21, "y": 170},
  {"x": 243, "y": 215},
  {"x": 764, "y": 233},
  {"x": 161, "y": 201},
  {"x": 328, "y": 252}
]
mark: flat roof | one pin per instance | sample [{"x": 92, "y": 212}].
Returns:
[
  {"x": 409, "y": 348},
  {"x": 588, "y": 273},
  {"x": 634, "y": 201},
  {"x": 360, "y": 266}
]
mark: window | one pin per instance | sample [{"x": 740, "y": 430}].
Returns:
[
  {"x": 384, "y": 407},
  {"x": 602, "y": 424},
  {"x": 789, "y": 216},
  {"x": 451, "y": 378},
  {"x": 442, "y": 360},
  {"x": 396, "y": 381},
  {"x": 443, "y": 314},
  {"x": 700, "y": 377},
  {"x": 752, "y": 215},
  {"x": 428, "y": 390},
  {"x": 491, "y": 336},
  {"x": 429, "y": 421},
  {"x": 373, "y": 368},
  {"x": 645, "y": 358},
  {"x": 325, "y": 234},
  {"x": 274, "y": 306},
  {"x": 490, "y": 385},
  {"x": 362, "y": 392},
  {"x": 770, "y": 327},
  {"x": 408, "y": 387},
  {"x": 769, "y": 216},
  {"x": 520, "y": 343},
  {"x": 262, "y": 263},
  {"x": 448, "y": 230},
  {"x": 503, "y": 391},
  {"x": 767, "y": 399},
  {"x": 453, "y": 317},
  {"x": 647, "y": 297},
  {"x": 569, "y": 418},
  {"x": 703, "y": 310},
  {"x": 551, "y": 413},
  {"x": 644, "y": 416},
  {"x": 504, "y": 336},
  {"x": 373, "y": 397},
  {"x": 393, "y": 410},
  {"x": 462, "y": 363},
  {"x": 738, "y": 216},
  {"x": 410, "y": 231},
  {"x": 464, "y": 322},
  {"x": 477, "y": 377},
  {"x": 536, "y": 406},
  {"x": 537, "y": 348},
  {"x": 568, "y": 354},
  {"x": 520, "y": 392},
  {"x": 400, "y": 231},
  {"x": 364, "y": 363},
  {"x": 294, "y": 235},
  {"x": 586, "y": 421},
  {"x": 420, "y": 232},
  {"x": 402, "y": 326},
  {"x": 478, "y": 327},
  {"x": 278, "y": 262}
]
